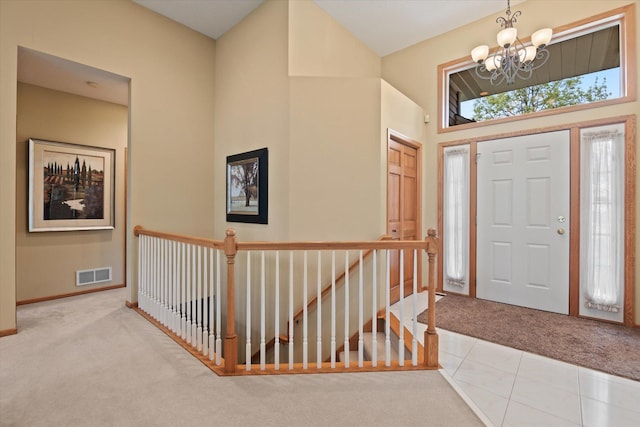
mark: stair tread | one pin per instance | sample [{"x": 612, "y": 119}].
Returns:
[{"x": 380, "y": 347}]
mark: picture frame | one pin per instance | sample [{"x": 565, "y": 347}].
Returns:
[
  {"x": 71, "y": 187},
  {"x": 248, "y": 187}
]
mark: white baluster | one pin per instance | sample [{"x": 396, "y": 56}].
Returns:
[
  {"x": 401, "y": 335},
  {"x": 194, "y": 300},
  {"x": 176, "y": 289},
  {"x": 167, "y": 269},
  {"x": 152, "y": 270},
  {"x": 248, "y": 308},
  {"x": 183, "y": 301},
  {"x": 374, "y": 312},
  {"x": 305, "y": 342},
  {"x": 333, "y": 309},
  {"x": 387, "y": 329},
  {"x": 276, "y": 347},
  {"x": 218, "y": 313},
  {"x": 291, "y": 310},
  {"x": 156, "y": 304},
  {"x": 346, "y": 309},
  {"x": 199, "y": 300},
  {"x": 168, "y": 292},
  {"x": 414, "y": 341},
  {"x": 141, "y": 272},
  {"x": 211, "y": 339},
  {"x": 165, "y": 284},
  {"x": 263, "y": 349},
  {"x": 360, "y": 312},
  {"x": 159, "y": 280},
  {"x": 189, "y": 295},
  {"x": 319, "y": 316},
  {"x": 206, "y": 268}
]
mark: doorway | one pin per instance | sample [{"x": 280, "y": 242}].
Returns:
[
  {"x": 523, "y": 221},
  {"x": 64, "y": 101},
  {"x": 404, "y": 166}
]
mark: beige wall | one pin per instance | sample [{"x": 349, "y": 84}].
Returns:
[
  {"x": 320, "y": 46},
  {"x": 401, "y": 114},
  {"x": 46, "y": 262},
  {"x": 171, "y": 112},
  {"x": 252, "y": 112},
  {"x": 289, "y": 78},
  {"x": 414, "y": 72}
]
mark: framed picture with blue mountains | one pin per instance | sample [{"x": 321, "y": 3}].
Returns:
[{"x": 71, "y": 187}]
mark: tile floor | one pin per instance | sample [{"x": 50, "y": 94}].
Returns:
[{"x": 514, "y": 388}]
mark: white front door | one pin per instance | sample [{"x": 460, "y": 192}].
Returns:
[{"x": 523, "y": 221}]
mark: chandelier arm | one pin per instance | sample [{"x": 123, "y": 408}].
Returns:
[
  {"x": 543, "y": 56},
  {"x": 480, "y": 69}
]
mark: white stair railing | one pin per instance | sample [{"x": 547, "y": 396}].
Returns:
[
  {"x": 176, "y": 288},
  {"x": 180, "y": 285}
]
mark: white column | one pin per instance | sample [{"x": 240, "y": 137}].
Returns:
[
  {"x": 401, "y": 337},
  {"x": 194, "y": 299},
  {"x": 199, "y": 299},
  {"x": 276, "y": 347},
  {"x": 387, "y": 316},
  {"x": 189, "y": 296},
  {"x": 291, "y": 310},
  {"x": 333, "y": 309},
  {"x": 414, "y": 332},
  {"x": 319, "y": 315},
  {"x": 346, "y": 309},
  {"x": 374, "y": 311},
  {"x": 218, "y": 312},
  {"x": 305, "y": 330},
  {"x": 360, "y": 312},
  {"x": 263, "y": 349},
  {"x": 206, "y": 268},
  {"x": 248, "y": 309}
]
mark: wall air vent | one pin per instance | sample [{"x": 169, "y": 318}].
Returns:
[{"x": 96, "y": 275}]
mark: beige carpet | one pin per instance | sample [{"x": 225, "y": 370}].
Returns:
[
  {"x": 89, "y": 361},
  {"x": 606, "y": 347}
]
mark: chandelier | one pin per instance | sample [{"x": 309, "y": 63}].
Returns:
[{"x": 513, "y": 59}]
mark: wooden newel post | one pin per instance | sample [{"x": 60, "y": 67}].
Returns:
[
  {"x": 231, "y": 339},
  {"x": 430, "y": 335}
]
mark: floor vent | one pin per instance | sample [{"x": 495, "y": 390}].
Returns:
[{"x": 96, "y": 275}]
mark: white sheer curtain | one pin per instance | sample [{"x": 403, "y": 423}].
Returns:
[
  {"x": 602, "y": 219},
  {"x": 456, "y": 215}
]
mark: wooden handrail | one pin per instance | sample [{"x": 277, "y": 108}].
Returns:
[
  {"x": 209, "y": 243},
  {"x": 330, "y": 245},
  {"x": 383, "y": 242}
]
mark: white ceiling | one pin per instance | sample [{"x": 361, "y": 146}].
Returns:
[
  {"x": 41, "y": 69},
  {"x": 385, "y": 26}
]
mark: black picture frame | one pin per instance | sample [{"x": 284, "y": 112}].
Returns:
[{"x": 247, "y": 198}]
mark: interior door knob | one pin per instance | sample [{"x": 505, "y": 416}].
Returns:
[{"x": 560, "y": 230}]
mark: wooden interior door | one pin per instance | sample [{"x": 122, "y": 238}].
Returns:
[{"x": 403, "y": 208}]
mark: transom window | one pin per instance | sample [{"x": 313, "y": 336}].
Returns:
[{"x": 587, "y": 68}]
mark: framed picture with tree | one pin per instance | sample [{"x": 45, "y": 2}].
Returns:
[{"x": 247, "y": 187}]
